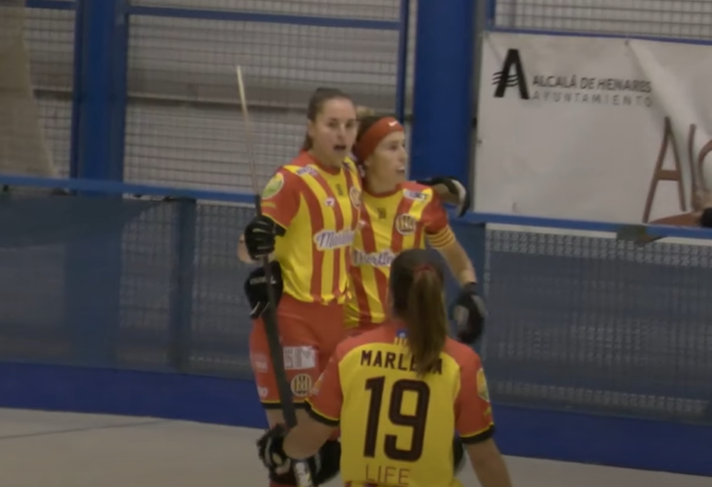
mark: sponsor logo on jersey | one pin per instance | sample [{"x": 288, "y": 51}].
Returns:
[
  {"x": 259, "y": 362},
  {"x": 415, "y": 195},
  {"x": 329, "y": 239},
  {"x": 376, "y": 259},
  {"x": 307, "y": 170},
  {"x": 273, "y": 187},
  {"x": 299, "y": 358}
]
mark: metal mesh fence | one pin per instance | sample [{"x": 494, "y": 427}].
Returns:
[
  {"x": 345, "y": 9},
  {"x": 592, "y": 323},
  {"x": 36, "y": 49},
  {"x": 108, "y": 282},
  {"x": 184, "y": 123},
  {"x": 666, "y": 18},
  {"x": 576, "y": 322}
]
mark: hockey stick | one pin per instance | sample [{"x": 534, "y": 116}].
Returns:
[{"x": 301, "y": 468}]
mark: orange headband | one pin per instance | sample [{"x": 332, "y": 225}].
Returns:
[{"x": 374, "y": 135}]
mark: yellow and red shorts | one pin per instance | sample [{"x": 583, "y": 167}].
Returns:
[{"x": 309, "y": 333}]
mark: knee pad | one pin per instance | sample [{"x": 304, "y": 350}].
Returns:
[
  {"x": 323, "y": 466},
  {"x": 458, "y": 454}
]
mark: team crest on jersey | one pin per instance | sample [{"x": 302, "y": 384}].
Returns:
[
  {"x": 405, "y": 224},
  {"x": 273, "y": 187},
  {"x": 355, "y": 195},
  {"x": 482, "y": 390},
  {"x": 401, "y": 338},
  {"x": 301, "y": 385},
  {"x": 415, "y": 195}
]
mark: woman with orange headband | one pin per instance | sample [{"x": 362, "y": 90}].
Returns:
[{"x": 397, "y": 215}]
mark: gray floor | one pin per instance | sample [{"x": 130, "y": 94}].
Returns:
[{"x": 39, "y": 449}]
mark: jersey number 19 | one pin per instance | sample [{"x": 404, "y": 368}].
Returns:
[{"x": 415, "y": 421}]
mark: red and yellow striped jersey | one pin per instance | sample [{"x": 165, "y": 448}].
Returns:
[
  {"x": 319, "y": 208},
  {"x": 396, "y": 428},
  {"x": 390, "y": 224}
]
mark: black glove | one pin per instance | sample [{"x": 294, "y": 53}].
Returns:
[
  {"x": 256, "y": 288},
  {"x": 459, "y": 196},
  {"x": 706, "y": 218},
  {"x": 260, "y": 236},
  {"x": 469, "y": 313},
  {"x": 271, "y": 452}
]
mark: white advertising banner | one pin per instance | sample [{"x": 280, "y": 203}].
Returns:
[{"x": 593, "y": 128}]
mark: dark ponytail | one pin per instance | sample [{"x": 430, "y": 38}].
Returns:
[
  {"x": 316, "y": 104},
  {"x": 418, "y": 299}
]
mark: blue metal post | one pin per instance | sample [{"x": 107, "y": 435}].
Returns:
[
  {"x": 402, "y": 73},
  {"x": 491, "y": 13},
  {"x": 76, "y": 91},
  {"x": 93, "y": 265},
  {"x": 180, "y": 318},
  {"x": 443, "y": 89},
  {"x": 100, "y": 88}
]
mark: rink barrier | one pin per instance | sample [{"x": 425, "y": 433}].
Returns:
[{"x": 531, "y": 421}]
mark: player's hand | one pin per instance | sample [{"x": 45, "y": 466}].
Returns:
[
  {"x": 469, "y": 313},
  {"x": 450, "y": 191},
  {"x": 260, "y": 237},
  {"x": 271, "y": 453},
  {"x": 256, "y": 288}
]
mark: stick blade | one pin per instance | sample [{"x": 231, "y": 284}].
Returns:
[{"x": 638, "y": 234}]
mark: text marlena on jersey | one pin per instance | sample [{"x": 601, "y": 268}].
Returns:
[{"x": 394, "y": 361}]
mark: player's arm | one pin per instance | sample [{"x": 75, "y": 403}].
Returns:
[
  {"x": 451, "y": 191},
  {"x": 279, "y": 204},
  {"x": 440, "y": 236},
  {"x": 309, "y": 440},
  {"x": 488, "y": 464},
  {"x": 475, "y": 425},
  {"x": 469, "y": 308},
  {"x": 702, "y": 203}
]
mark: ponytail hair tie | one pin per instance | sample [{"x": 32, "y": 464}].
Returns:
[{"x": 421, "y": 269}]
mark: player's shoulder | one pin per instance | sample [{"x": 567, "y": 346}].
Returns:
[
  {"x": 302, "y": 160},
  {"x": 417, "y": 191},
  {"x": 350, "y": 165},
  {"x": 302, "y": 165},
  {"x": 379, "y": 335},
  {"x": 464, "y": 355},
  {"x": 283, "y": 177}
]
